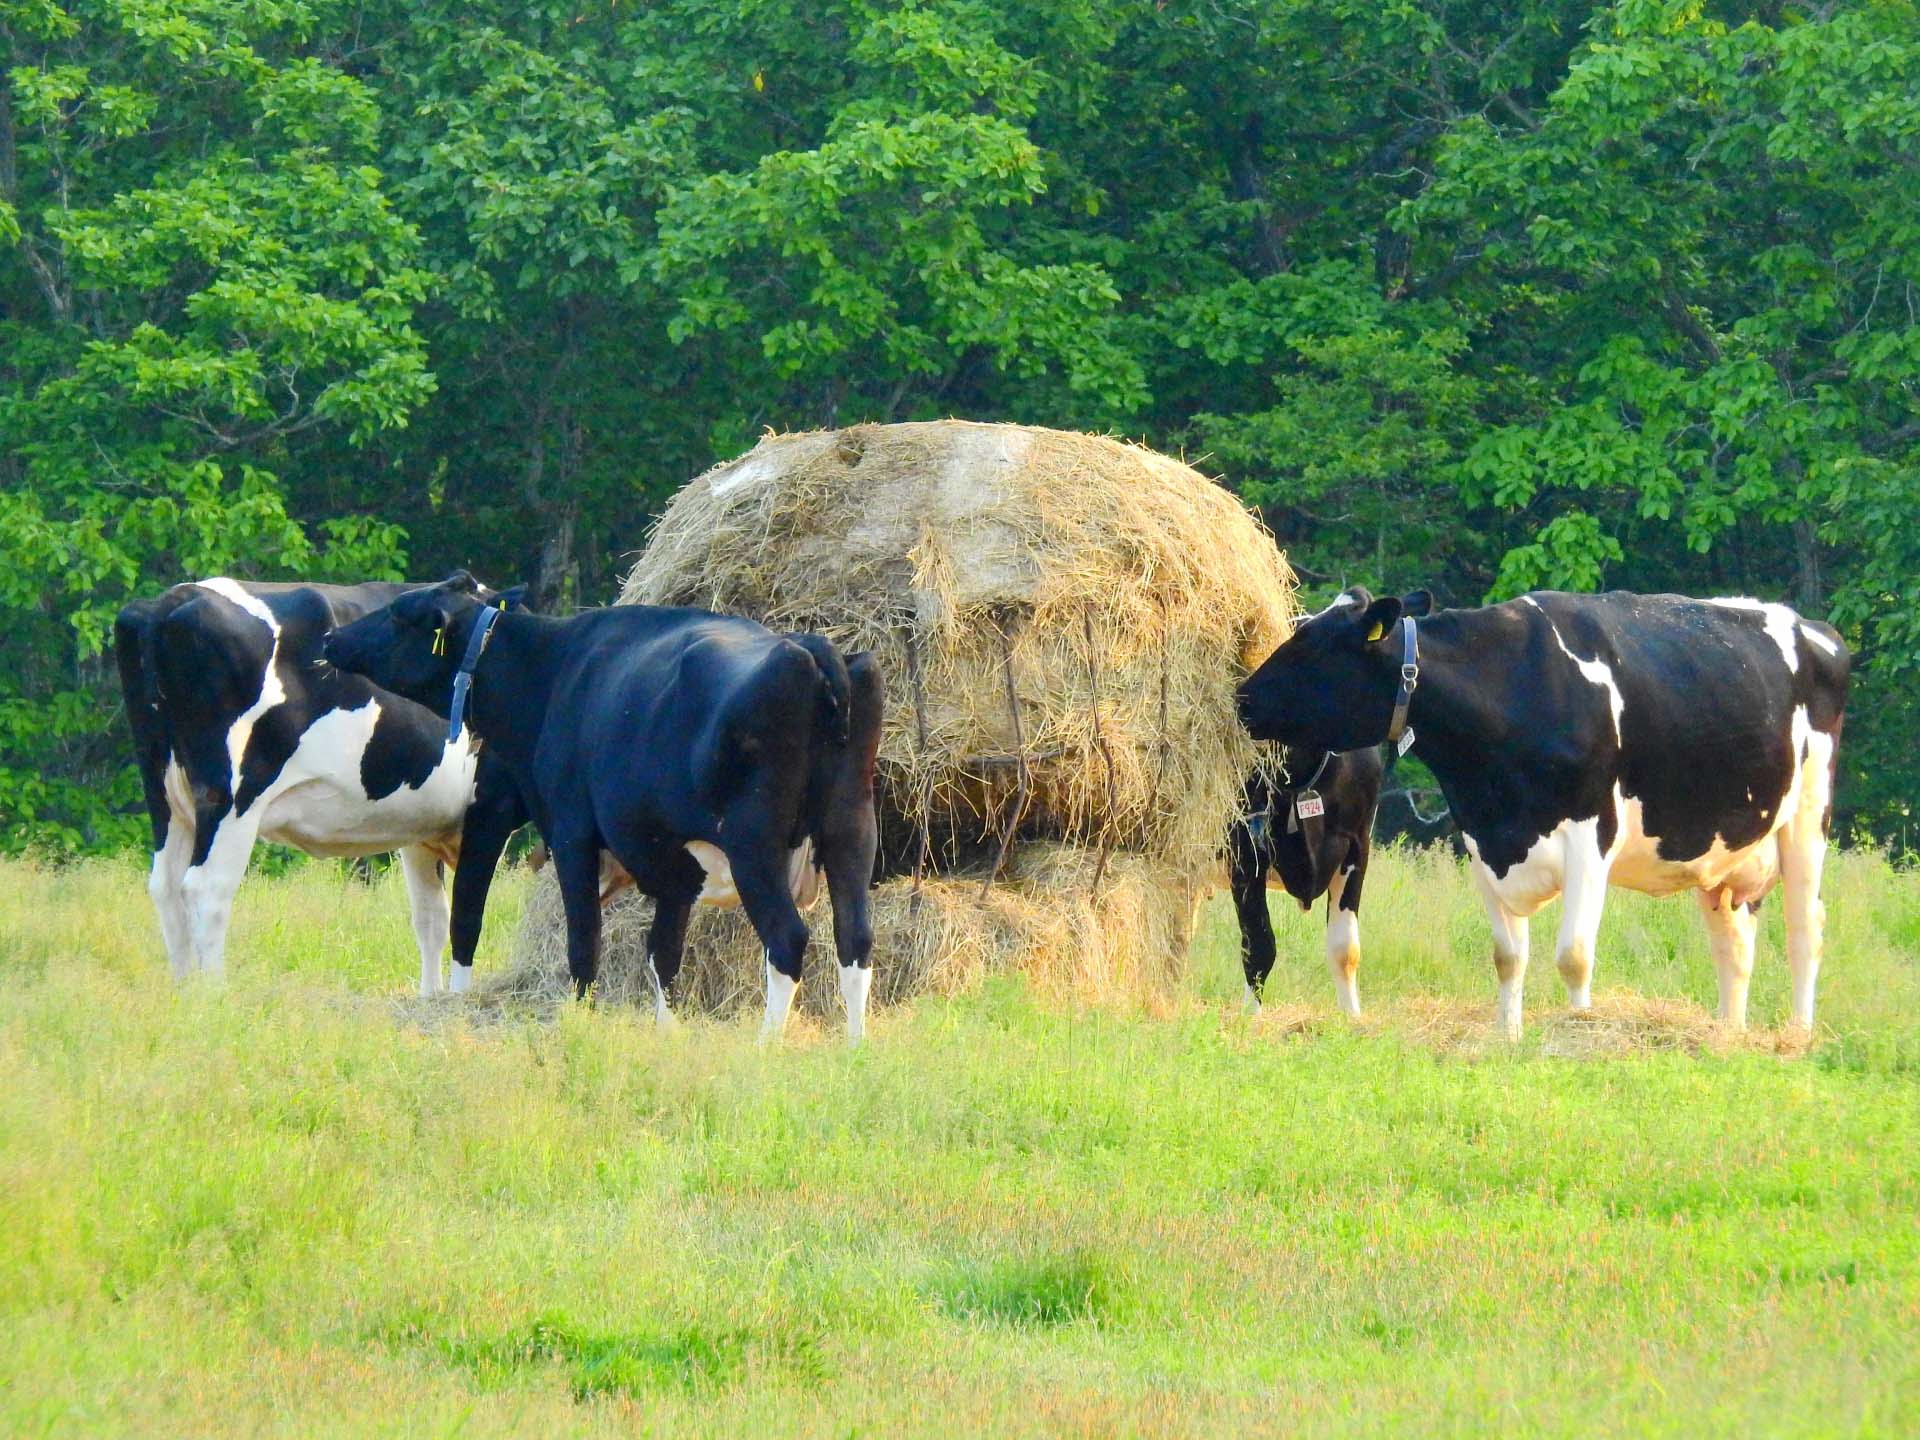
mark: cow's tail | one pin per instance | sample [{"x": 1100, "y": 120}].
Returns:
[
  {"x": 135, "y": 654},
  {"x": 836, "y": 686},
  {"x": 839, "y": 804}
]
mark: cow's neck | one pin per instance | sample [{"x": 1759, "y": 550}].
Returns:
[
  {"x": 513, "y": 683},
  {"x": 1303, "y": 764},
  {"x": 1461, "y": 713}
]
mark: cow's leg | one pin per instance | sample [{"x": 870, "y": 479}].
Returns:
[
  {"x": 847, "y": 833},
  {"x": 1730, "y": 930},
  {"x": 1583, "y": 898},
  {"x": 1248, "y": 879},
  {"x": 427, "y": 898},
  {"x": 849, "y": 866},
  {"x": 223, "y": 842},
  {"x": 169, "y": 901},
  {"x": 760, "y": 876},
  {"x": 490, "y": 822},
  {"x": 849, "y": 837},
  {"x": 666, "y": 942},
  {"x": 576, "y": 866},
  {"x": 1803, "y": 856},
  {"x": 1343, "y": 931},
  {"x": 1509, "y": 951}
]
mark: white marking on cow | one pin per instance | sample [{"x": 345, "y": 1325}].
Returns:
[
  {"x": 1597, "y": 672},
  {"x": 461, "y": 980},
  {"x": 1343, "y": 946},
  {"x": 272, "y": 691},
  {"x": 855, "y": 982},
  {"x": 1814, "y": 637},
  {"x": 234, "y": 591},
  {"x": 1250, "y": 1003},
  {"x": 803, "y": 876},
  {"x": 662, "y": 1011},
  {"x": 319, "y": 802},
  {"x": 1782, "y": 625},
  {"x": 779, "y": 1003}
]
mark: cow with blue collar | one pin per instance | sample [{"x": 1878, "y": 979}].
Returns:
[
  {"x": 1655, "y": 742},
  {"x": 693, "y": 755}
]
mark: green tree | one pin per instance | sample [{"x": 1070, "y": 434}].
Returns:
[
  {"x": 201, "y": 269},
  {"x": 1706, "y": 256}
]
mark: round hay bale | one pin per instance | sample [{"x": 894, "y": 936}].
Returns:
[
  {"x": 1124, "y": 940},
  {"x": 1061, "y": 619}
]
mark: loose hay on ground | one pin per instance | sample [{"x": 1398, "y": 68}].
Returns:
[
  {"x": 1124, "y": 942},
  {"x": 1618, "y": 1023}
]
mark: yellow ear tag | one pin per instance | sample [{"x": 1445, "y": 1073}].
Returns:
[
  {"x": 1379, "y": 632},
  {"x": 440, "y": 641}
]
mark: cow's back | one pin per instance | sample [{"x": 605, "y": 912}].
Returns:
[{"x": 1714, "y": 702}]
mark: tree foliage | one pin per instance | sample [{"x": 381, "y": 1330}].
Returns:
[{"x": 1478, "y": 296}]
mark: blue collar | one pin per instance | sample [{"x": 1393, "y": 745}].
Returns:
[
  {"x": 1399, "y": 734},
  {"x": 463, "y": 681}
]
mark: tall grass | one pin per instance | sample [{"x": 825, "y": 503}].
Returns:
[{"x": 288, "y": 1206}]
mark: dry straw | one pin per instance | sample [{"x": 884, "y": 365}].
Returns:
[
  {"x": 1061, "y": 619},
  {"x": 1123, "y": 941}
]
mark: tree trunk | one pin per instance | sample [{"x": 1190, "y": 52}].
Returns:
[{"x": 1809, "y": 591}]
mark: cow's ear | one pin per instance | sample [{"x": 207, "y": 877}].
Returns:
[
  {"x": 1417, "y": 603},
  {"x": 421, "y": 610},
  {"x": 462, "y": 582},
  {"x": 514, "y": 599},
  {"x": 1380, "y": 618}
]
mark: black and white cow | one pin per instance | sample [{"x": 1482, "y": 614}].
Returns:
[
  {"x": 1313, "y": 829},
  {"x": 243, "y": 732},
  {"x": 703, "y": 754},
  {"x": 1650, "y": 741}
]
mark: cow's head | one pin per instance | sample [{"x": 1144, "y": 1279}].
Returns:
[
  {"x": 1332, "y": 685},
  {"x": 414, "y": 646}
]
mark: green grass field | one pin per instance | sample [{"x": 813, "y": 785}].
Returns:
[{"x": 288, "y": 1207}]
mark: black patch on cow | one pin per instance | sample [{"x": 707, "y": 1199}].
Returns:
[{"x": 408, "y": 742}]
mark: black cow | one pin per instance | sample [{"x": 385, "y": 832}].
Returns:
[
  {"x": 1649, "y": 741},
  {"x": 242, "y": 732},
  {"x": 1313, "y": 829},
  {"x": 702, "y": 753}
]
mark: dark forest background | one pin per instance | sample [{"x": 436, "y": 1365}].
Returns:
[{"x": 1481, "y": 296}]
